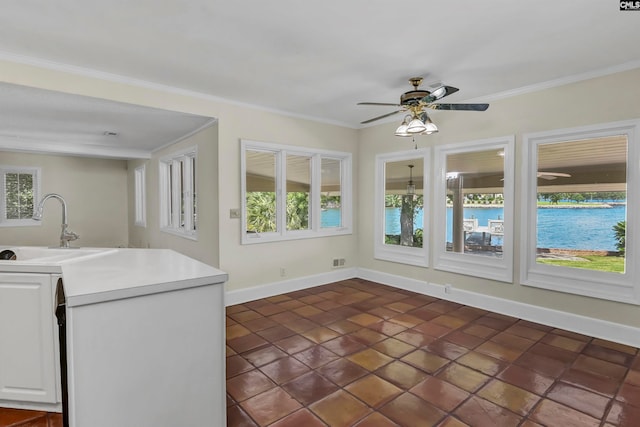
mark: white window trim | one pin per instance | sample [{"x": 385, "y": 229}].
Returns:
[
  {"x": 169, "y": 218},
  {"x": 37, "y": 172},
  {"x": 314, "y": 227},
  {"x": 397, "y": 253},
  {"x": 598, "y": 284},
  {"x": 499, "y": 269},
  {"x": 140, "y": 196}
]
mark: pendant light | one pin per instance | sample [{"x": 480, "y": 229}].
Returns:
[{"x": 411, "y": 187}]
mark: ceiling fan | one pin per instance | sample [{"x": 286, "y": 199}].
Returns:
[
  {"x": 415, "y": 102},
  {"x": 550, "y": 176}
]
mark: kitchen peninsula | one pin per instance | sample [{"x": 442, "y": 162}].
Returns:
[{"x": 144, "y": 336}]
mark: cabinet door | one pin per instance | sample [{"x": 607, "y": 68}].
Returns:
[{"x": 27, "y": 338}]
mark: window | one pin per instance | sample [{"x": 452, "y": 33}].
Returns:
[
  {"x": 293, "y": 192},
  {"x": 474, "y": 210},
  {"x": 20, "y": 192},
  {"x": 581, "y": 192},
  {"x": 401, "y": 231},
  {"x": 178, "y": 203},
  {"x": 140, "y": 197}
]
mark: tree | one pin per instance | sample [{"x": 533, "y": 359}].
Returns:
[
  {"x": 261, "y": 211},
  {"x": 620, "y": 232}
]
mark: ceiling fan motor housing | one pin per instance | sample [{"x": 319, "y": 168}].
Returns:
[{"x": 413, "y": 97}]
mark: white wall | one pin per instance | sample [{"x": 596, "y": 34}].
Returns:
[
  {"x": 606, "y": 99},
  {"x": 96, "y": 194}
]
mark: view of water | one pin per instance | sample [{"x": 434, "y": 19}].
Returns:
[{"x": 583, "y": 228}]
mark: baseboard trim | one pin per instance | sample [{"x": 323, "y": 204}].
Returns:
[
  {"x": 240, "y": 296},
  {"x": 597, "y": 328}
]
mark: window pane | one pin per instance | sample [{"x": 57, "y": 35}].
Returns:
[
  {"x": 261, "y": 191},
  {"x": 404, "y": 203},
  {"x": 298, "y": 192},
  {"x": 194, "y": 210},
  {"x": 331, "y": 193},
  {"x": 475, "y": 203},
  {"x": 581, "y": 204},
  {"x": 18, "y": 195}
]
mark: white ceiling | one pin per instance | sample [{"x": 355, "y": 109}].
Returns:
[{"x": 317, "y": 60}]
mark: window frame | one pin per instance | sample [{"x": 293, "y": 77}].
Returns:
[
  {"x": 397, "y": 253},
  {"x": 499, "y": 269},
  {"x": 622, "y": 287},
  {"x": 170, "y": 212},
  {"x": 36, "y": 172},
  {"x": 315, "y": 230},
  {"x": 140, "y": 196}
]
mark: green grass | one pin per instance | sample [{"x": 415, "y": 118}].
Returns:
[{"x": 612, "y": 264}]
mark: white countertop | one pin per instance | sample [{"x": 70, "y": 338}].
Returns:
[{"x": 111, "y": 274}]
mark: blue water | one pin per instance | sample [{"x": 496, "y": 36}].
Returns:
[{"x": 584, "y": 228}]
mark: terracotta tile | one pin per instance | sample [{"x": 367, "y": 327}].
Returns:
[
  {"x": 409, "y": 410},
  {"x": 325, "y": 317},
  {"x": 526, "y": 332},
  {"x": 237, "y": 417},
  {"x": 615, "y": 346},
  {"x": 269, "y": 309},
  {"x": 629, "y": 394},
  {"x": 279, "y": 298},
  {"x": 497, "y": 322},
  {"x": 264, "y": 355},
  {"x": 442, "y": 306},
  {"x": 563, "y": 342},
  {"x": 343, "y": 346},
  {"x": 406, "y": 320},
  {"x": 229, "y": 351},
  {"x": 320, "y": 335},
  {"x": 633, "y": 378},
  {"x": 482, "y": 413},
  {"x": 572, "y": 335},
  {"x": 373, "y": 390},
  {"x": 600, "y": 367},
  {"x": 483, "y": 363},
  {"x": 236, "y": 365},
  {"x": 294, "y": 344},
  {"x": 567, "y": 357},
  {"x": 401, "y": 374},
  {"x": 342, "y": 371},
  {"x": 285, "y": 317},
  {"x": 440, "y": 393},
  {"x": 623, "y": 415},
  {"x": 291, "y": 304},
  {"x": 376, "y": 420},
  {"x": 367, "y": 336},
  {"x": 425, "y": 361},
  {"x": 246, "y": 343},
  {"x": 480, "y": 331},
  {"x": 370, "y": 359},
  {"x": 235, "y": 331},
  {"x": 509, "y": 396},
  {"x": 400, "y": 307},
  {"x": 591, "y": 381},
  {"x": 499, "y": 351},
  {"x": 609, "y": 355},
  {"x": 364, "y": 319},
  {"x": 309, "y": 388},
  {"x": 452, "y": 422},
  {"x": 276, "y": 333},
  {"x": 468, "y": 313},
  {"x": 415, "y": 338},
  {"x": 344, "y": 326},
  {"x": 451, "y": 322},
  {"x": 235, "y": 309},
  {"x": 393, "y": 347},
  {"x": 512, "y": 341},
  {"x": 432, "y": 329},
  {"x": 301, "y": 325},
  {"x": 259, "y": 324},
  {"x": 302, "y": 417},
  {"x": 541, "y": 364},
  {"x": 230, "y": 400},
  {"x": 17, "y": 417},
  {"x": 243, "y": 316},
  {"x": 270, "y": 406},
  {"x": 284, "y": 370},
  {"x": 311, "y": 299},
  {"x": 55, "y": 420},
  {"x": 551, "y": 413},
  {"x": 446, "y": 349},
  {"x": 580, "y": 399},
  {"x": 340, "y": 409},
  {"x": 463, "y": 377},
  {"x": 526, "y": 379},
  {"x": 424, "y": 313},
  {"x": 383, "y": 313},
  {"x": 316, "y": 356},
  {"x": 464, "y": 340},
  {"x": 529, "y": 423},
  {"x": 248, "y": 384}
]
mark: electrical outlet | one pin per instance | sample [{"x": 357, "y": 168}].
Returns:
[
  {"x": 338, "y": 262},
  {"x": 234, "y": 213},
  {"x": 283, "y": 272},
  {"x": 447, "y": 289}
]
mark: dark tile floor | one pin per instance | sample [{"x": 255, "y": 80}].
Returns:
[
  {"x": 356, "y": 353},
  {"x": 23, "y": 418}
]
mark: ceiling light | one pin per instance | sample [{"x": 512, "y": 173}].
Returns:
[
  {"x": 439, "y": 93},
  {"x": 416, "y": 126},
  {"x": 430, "y": 127},
  {"x": 402, "y": 129}
]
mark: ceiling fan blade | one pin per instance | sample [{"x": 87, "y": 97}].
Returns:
[
  {"x": 381, "y": 117},
  {"x": 460, "y": 107},
  {"x": 550, "y": 176},
  {"x": 379, "y": 103},
  {"x": 439, "y": 93}
]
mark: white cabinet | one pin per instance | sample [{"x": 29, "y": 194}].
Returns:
[{"x": 28, "y": 339}]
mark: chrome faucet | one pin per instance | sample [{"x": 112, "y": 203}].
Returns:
[{"x": 66, "y": 235}]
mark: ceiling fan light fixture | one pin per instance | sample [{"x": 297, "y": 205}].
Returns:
[
  {"x": 402, "y": 129},
  {"x": 430, "y": 127},
  {"x": 439, "y": 92},
  {"x": 416, "y": 126}
]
